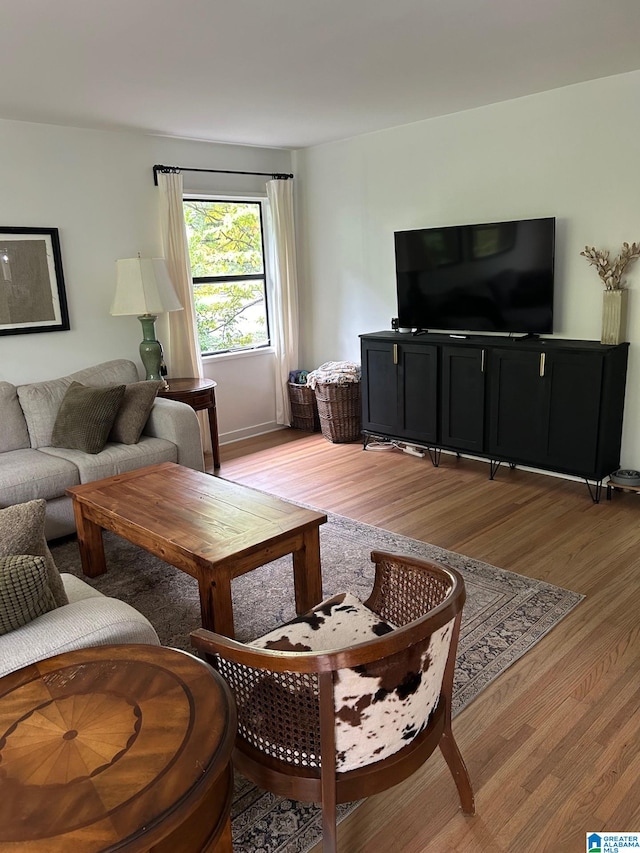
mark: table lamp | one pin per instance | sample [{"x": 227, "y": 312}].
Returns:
[{"x": 143, "y": 288}]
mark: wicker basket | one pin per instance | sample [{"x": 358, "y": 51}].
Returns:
[
  {"x": 304, "y": 409},
  {"x": 340, "y": 410}
]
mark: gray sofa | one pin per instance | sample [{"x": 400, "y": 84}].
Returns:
[
  {"x": 30, "y": 468},
  {"x": 44, "y": 613},
  {"x": 89, "y": 619}
]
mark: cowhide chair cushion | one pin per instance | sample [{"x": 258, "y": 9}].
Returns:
[
  {"x": 335, "y": 623},
  {"x": 380, "y": 706}
]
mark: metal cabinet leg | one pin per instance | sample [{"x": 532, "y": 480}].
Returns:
[{"x": 596, "y": 490}]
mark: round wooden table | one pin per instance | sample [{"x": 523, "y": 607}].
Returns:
[
  {"x": 199, "y": 394},
  {"x": 122, "y": 748}
]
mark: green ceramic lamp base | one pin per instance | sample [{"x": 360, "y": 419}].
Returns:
[{"x": 150, "y": 349}]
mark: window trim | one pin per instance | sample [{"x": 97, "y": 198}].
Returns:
[{"x": 263, "y": 202}]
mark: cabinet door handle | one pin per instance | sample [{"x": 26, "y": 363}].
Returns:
[
  {"x": 395, "y": 353},
  {"x": 543, "y": 357},
  {"x": 482, "y": 363}
]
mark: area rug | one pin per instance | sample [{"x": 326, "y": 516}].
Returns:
[{"x": 504, "y": 616}]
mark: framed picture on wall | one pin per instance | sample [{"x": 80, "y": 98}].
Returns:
[{"x": 32, "y": 294}]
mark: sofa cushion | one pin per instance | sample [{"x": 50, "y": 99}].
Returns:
[
  {"x": 25, "y": 593},
  {"x": 29, "y": 474},
  {"x": 14, "y": 434},
  {"x": 22, "y": 532},
  {"x": 117, "y": 458},
  {"x": 134, "y": 411},
  {"x": 40, "y": 401},
  {"x": 86, "y": 416},
  {"x": 78, "y": 590}
]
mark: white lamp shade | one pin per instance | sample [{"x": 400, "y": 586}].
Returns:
[{"x": 143, "y": 286}]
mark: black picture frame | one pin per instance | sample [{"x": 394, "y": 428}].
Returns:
[{"x": 32, "y": 292}]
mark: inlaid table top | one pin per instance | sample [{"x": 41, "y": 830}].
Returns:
[{"x": 112, "y": 748}]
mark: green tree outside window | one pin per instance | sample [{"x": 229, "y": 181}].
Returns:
[{"x": 226, "y": 249}]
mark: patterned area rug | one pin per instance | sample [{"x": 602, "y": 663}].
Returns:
[{"x": 505, "y": 615}]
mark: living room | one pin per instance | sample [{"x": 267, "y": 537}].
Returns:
[{"x": 567, "y": 151}]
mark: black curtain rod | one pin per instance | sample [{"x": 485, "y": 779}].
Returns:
[{"x": 277, "y": 176}]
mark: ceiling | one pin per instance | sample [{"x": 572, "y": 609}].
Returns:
[{"x": 295, "y": 73}]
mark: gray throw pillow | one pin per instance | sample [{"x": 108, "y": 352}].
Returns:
[
  {"x": 25, "y": 593},
  {"x": 85, "y": 417},
  {"x": 22, "y": 532},
  {"x": 134, "y": 411}
]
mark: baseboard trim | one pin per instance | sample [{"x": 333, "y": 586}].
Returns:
[{"x": 249, "y": 432}]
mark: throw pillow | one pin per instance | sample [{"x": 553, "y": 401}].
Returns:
[
  {"x": 85, "y": 417},
  {"x": 22, "y": 532},
  {"x": 134, "y": 410},
  {"x": 24, "y": 591}
]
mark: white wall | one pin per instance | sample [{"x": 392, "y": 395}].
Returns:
[
  {"x": 97, "y": 189},
  {"x": 571, "y": 153}
]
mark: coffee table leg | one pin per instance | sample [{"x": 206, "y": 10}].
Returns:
[
  {"x": 216, "y": 609},
  {"x": 90, "y": 544},
  {"x": 307, "y": 574}
]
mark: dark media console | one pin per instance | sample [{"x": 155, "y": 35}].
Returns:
[{"x": 545, "y": 403}]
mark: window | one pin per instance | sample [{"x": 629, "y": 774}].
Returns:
[{"x": 226, "y": 248}]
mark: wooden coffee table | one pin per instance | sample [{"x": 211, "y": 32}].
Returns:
[
  {"x": 209, "y": 528},
  {"x": 122, "y": 748}
]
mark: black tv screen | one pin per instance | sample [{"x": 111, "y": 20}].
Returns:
[{"x": 494, "y": 277}]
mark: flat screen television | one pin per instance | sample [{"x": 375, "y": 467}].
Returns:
[{"x": 493, "y": 277}]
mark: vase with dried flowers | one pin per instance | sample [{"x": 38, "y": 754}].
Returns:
[{"x": 614, "y": 297}]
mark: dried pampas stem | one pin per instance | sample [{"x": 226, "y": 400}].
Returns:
[{"x": 611, "y": 273}]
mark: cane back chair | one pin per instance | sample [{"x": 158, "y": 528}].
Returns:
[{"x": 351, "y": 698}]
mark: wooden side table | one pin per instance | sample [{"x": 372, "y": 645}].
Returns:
[
  {"x": 123, "y": 748},
  {"x": 199, "y": 394}
]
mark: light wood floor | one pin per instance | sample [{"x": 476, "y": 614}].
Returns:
[{"x": 552, "y": 746}]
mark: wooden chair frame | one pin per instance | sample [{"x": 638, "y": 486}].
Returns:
[{"x": 324, "y": 784}]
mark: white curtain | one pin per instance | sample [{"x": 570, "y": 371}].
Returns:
[
  {"x": 182, "y": 350},
  {"x": 285, "y": 291}
]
